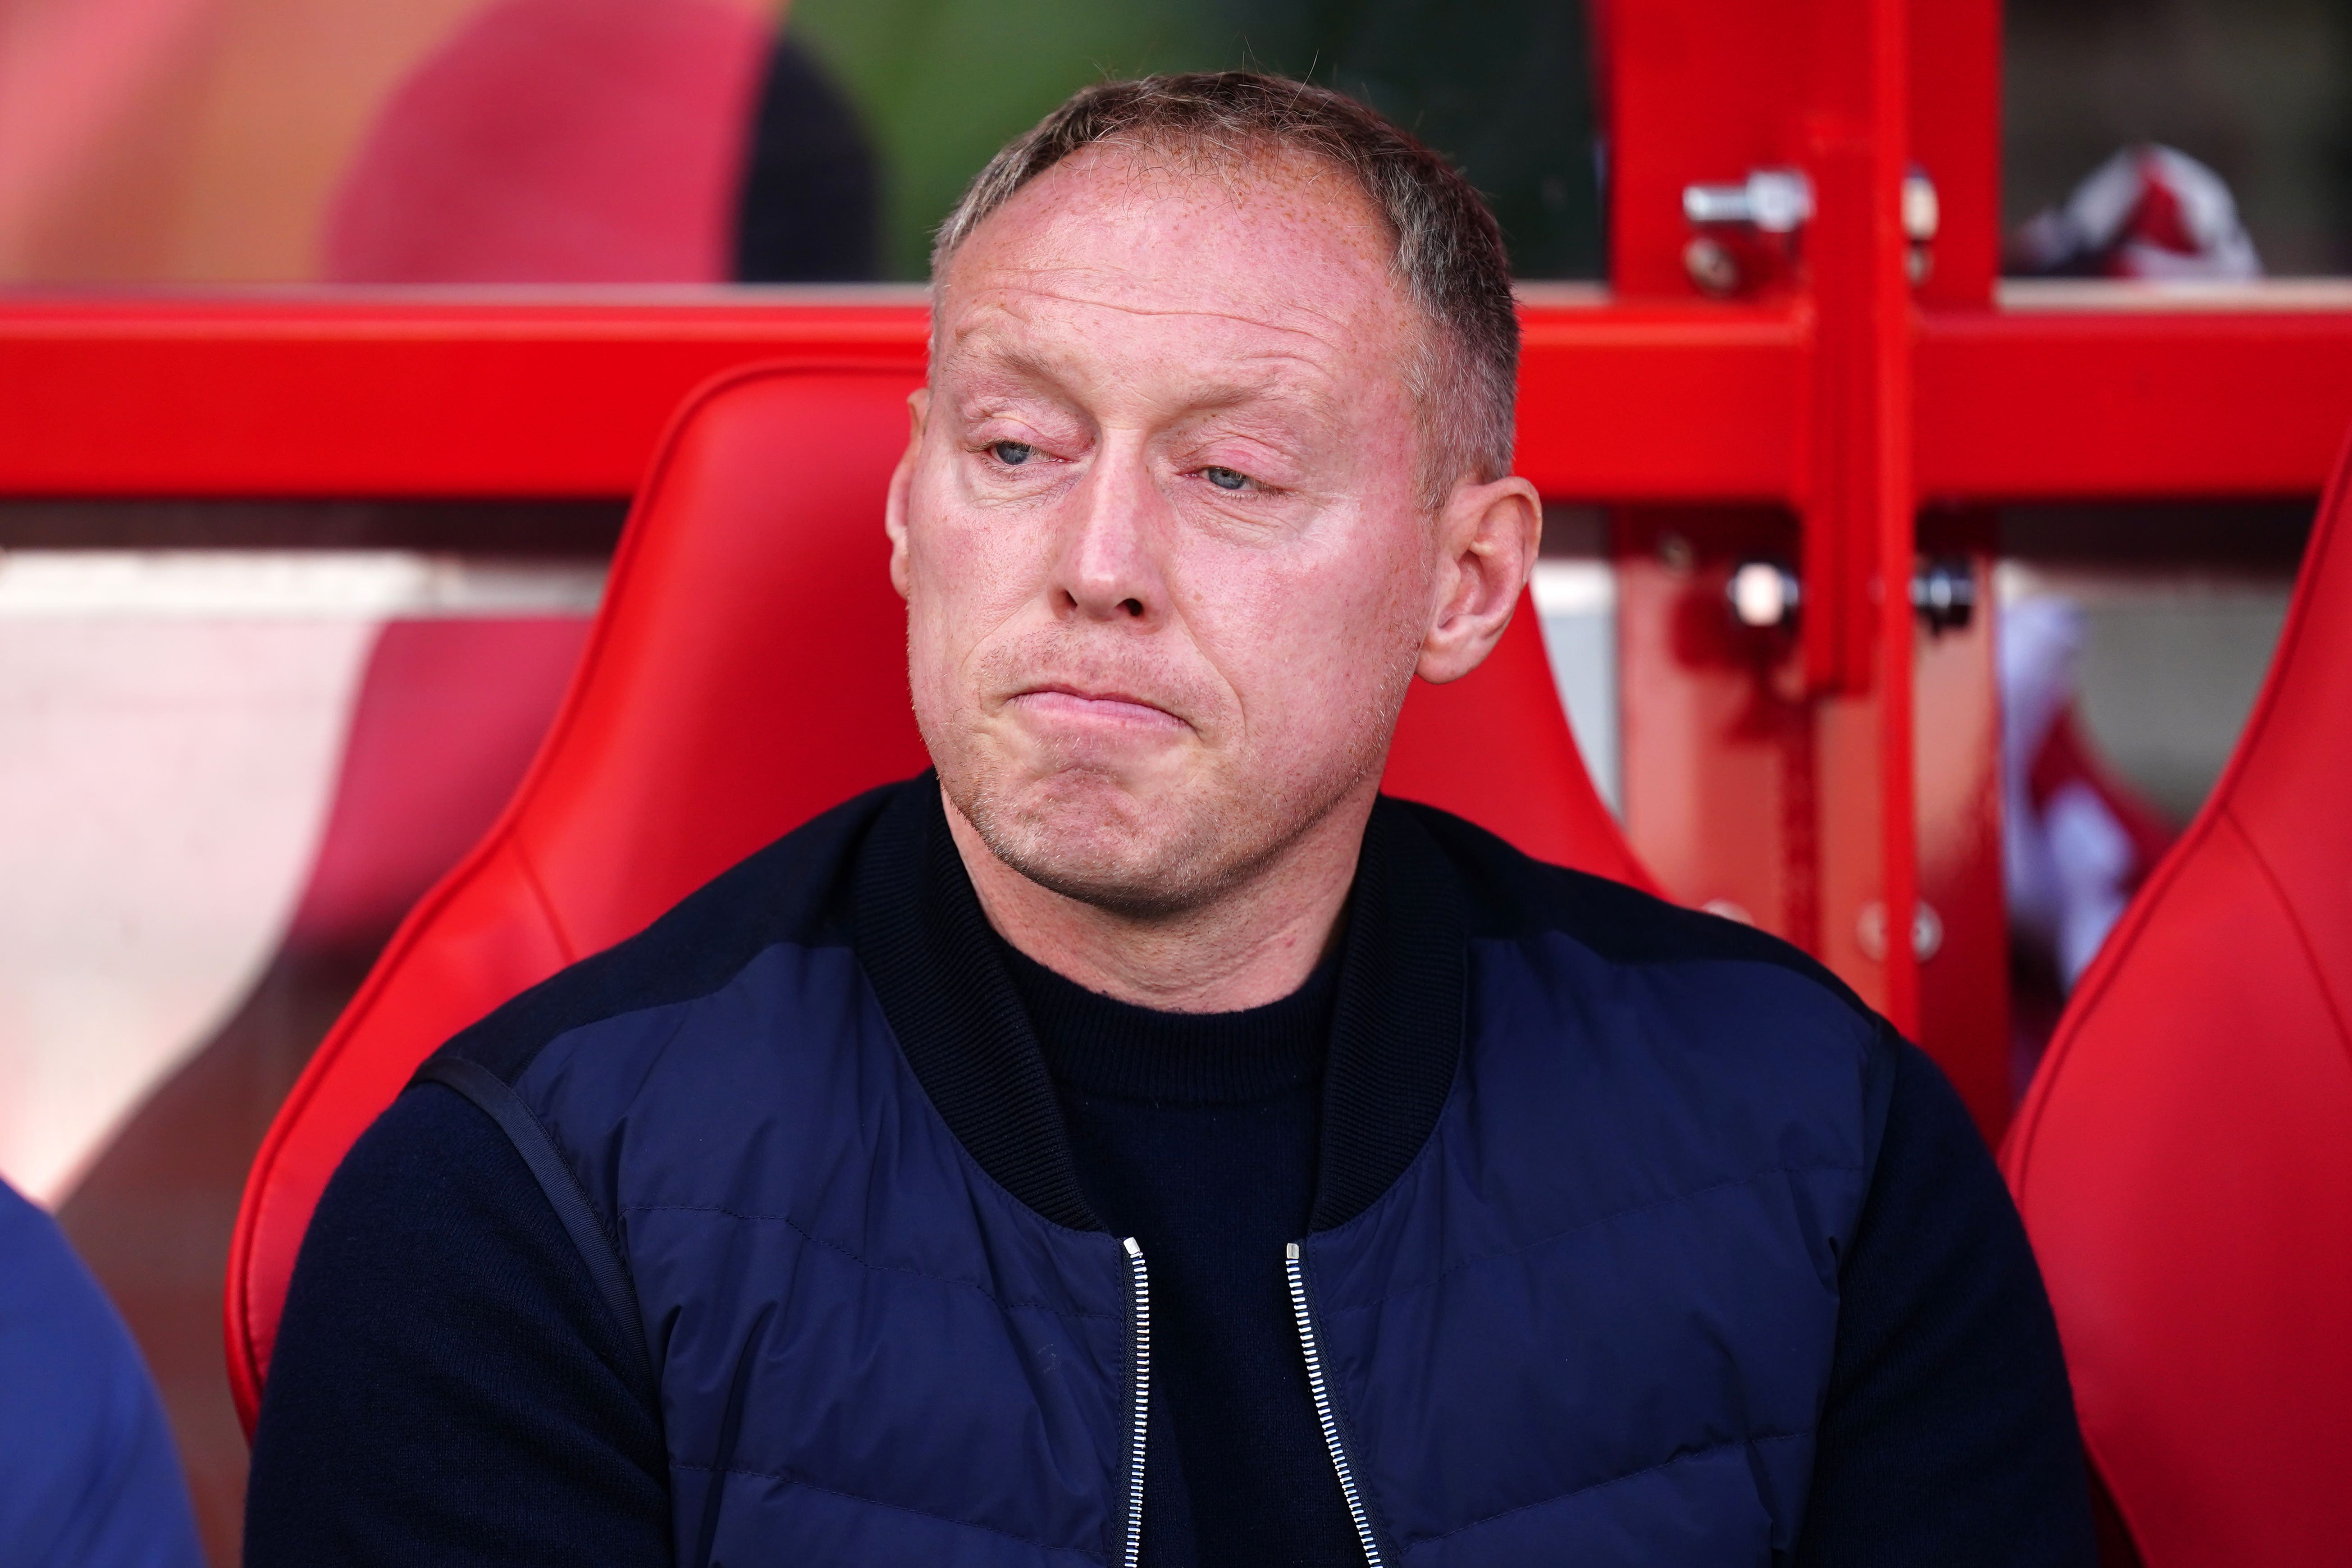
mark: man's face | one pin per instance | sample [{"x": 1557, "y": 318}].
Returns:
[{"x": 1166, "y": 574}]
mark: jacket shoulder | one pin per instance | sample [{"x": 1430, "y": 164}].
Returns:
[
  {"x": 1509, "y": 895},
  {"x": 795, "y": 890},
  {"x": 1765, "y": 1024}
]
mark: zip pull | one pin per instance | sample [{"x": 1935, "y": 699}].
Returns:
[
  {"x": 1142, "y": 1398},
  {"x": 1293, "y": 1267}
]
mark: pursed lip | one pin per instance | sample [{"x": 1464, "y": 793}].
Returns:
[{"x": 1058, "y": 700}]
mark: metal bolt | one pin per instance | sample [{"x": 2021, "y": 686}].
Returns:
[
  {"x": 1771, "y": 201},
  {"x": 1764, "y": 593},
  {"x": 1870, "y": 932},
  {"x": 1944, "y": 594},
  {"x": 1713, "y": 269},
  {"x": 1922, "y": 213}
]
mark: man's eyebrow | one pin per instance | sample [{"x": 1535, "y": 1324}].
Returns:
[
  {"x": 983, "y": 349},
  {"x": 984, "y": 353}
]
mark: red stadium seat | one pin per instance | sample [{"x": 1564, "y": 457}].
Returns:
[
  {"x": 2184, "y": 1159},
  {"x": 746, "y": 671}
]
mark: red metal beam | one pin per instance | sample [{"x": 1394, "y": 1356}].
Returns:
[
  {"x": 2074, "y": 403},
  {"x": 331, "y": 397},
  {"x": 350, "y": 396},
  {"x": 1660, "y": 402}
]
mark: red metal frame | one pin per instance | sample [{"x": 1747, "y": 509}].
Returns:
[
  {"x": 2078, "y": 395},
  {"x": 1815, "y": 416}
]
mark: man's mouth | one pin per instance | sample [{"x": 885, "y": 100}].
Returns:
[{"x": 1056, "y": 702}]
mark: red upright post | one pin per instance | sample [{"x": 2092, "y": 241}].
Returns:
[
  {"x": 1894, "y": 500},
  {"x": 1858, "y": 539},
  {"x": 1771, "y": 777}
]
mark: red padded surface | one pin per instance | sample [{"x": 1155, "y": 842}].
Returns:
[
  {"x": 745, "y": 671},
  {"x": 2184, "y": 1159}
]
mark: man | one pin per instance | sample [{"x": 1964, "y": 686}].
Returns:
[{"x": 1138, "y": 1141}]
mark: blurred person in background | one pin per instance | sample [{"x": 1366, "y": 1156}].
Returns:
[
  {"x": 610, "y": 142},
  {"x": 89, "y": 1478}
]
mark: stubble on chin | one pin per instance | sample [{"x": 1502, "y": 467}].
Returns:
[
  {"x": 1162, "y": 844},
  {"x": 1079, "y": 835},
  {"x": 1087, "y": 838}
]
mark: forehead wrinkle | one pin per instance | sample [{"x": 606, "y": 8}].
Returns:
[
  {"x": 1260, "y": 183},
  {"x": 981, "y": 346},
  {"x": 1006, "y": 299},
  {"x": 1064, "y": 240},
  {"x": 982, "y": 342}
]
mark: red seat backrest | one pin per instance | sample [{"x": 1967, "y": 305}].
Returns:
[
  {"x": 2184, "y": 1159},
  {"x": 746, "y": 671}
]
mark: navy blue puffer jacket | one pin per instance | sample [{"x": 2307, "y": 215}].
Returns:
[{"x": 1570, "y": 1292}]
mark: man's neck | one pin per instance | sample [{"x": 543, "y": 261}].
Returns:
[{"x": 1254, "y": 943}]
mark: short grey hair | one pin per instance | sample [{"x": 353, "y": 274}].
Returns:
[{"x": 1448, "y": 252}]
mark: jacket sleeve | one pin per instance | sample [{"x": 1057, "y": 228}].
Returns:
[
  {"x": 448, "y": 1387},
  {"x": 88, "y": 1476},
  {"x": 1949, "y": 1434}
]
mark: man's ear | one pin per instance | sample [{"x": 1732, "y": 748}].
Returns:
[
  {"x": 902, "y": 478},
  {"x": 1486, "y": 540}
]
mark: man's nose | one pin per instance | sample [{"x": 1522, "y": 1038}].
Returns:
[{"x": 1109, "y": 567}]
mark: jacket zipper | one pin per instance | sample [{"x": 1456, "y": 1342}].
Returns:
[
  {"x": 1142, "y": 1399},
  {"x": 1295, "y": 1266}
]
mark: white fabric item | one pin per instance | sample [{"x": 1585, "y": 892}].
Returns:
[
  {"x": 2090, "y": 856},
  {"x": 2093, "y": 217},
  {"x": 2066, "y": 865},
  {"x": 2038, "y": 645}
]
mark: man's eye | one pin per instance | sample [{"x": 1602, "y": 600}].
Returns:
[
  {"x": 1012, "y": 454},
  {"x": 1225, "y": 479}
]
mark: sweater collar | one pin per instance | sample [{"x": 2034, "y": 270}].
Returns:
[
  {"x": 1098, "y": 1045},
  {"x": 1396, "y": 1032}
]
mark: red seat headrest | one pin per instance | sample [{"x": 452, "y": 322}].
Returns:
[{"x": 2184, "y": 1159}]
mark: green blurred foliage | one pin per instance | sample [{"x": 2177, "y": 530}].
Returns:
[
  {"x": 1503, "y": 87},
  {"x": 944, "y": 83}
]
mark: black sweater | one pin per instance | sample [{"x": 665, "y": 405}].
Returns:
[
  {"x": 1197, "y": 1134},
  {"x": 462, "y": 1399}
]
